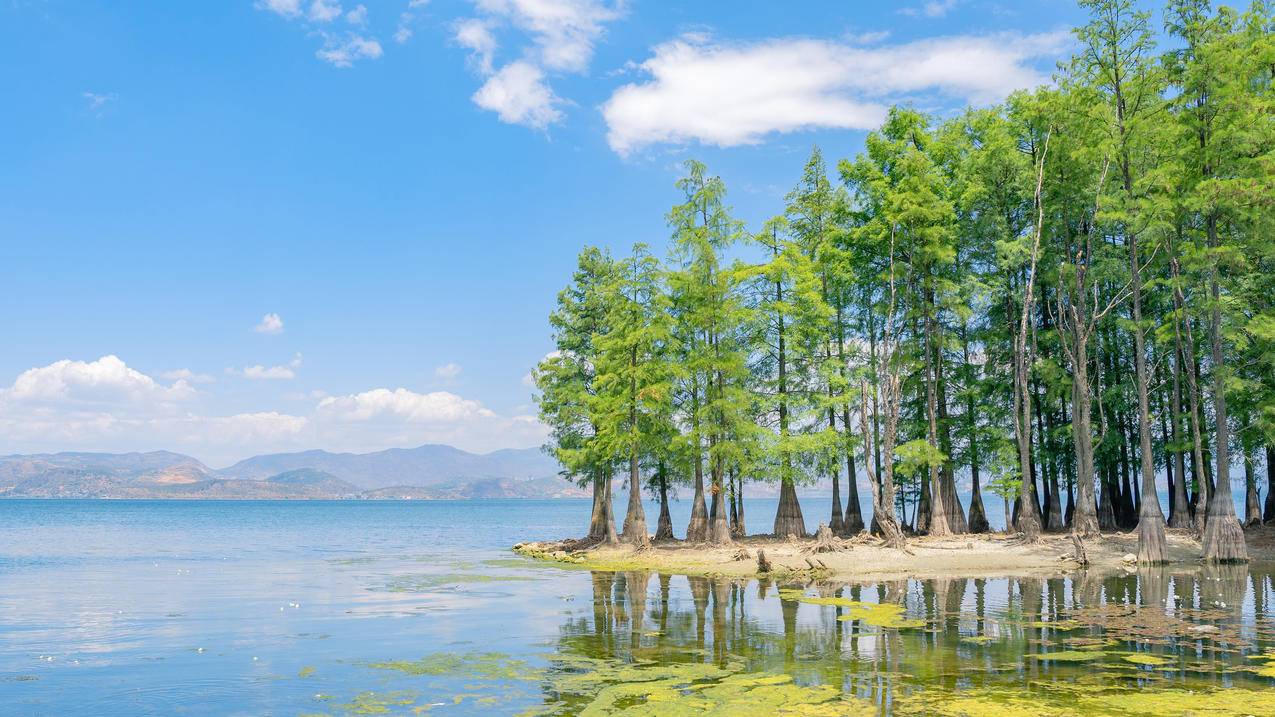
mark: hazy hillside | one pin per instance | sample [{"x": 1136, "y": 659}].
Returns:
[
  {"x": 428, "y": 465},
  {"x": 430, "y": 471}
]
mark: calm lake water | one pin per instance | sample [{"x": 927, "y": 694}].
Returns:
[{"x": 300, "y": 608}]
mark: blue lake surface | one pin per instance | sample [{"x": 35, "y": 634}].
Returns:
[{"x": 295, "y": 607}]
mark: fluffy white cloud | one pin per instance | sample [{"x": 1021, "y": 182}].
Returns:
[
  {"x": 104, "y": 381},
  {"x": 324, "y": 11},
  {"x": 106, "y": 405},
  {"x": 383, "y": 418},
  {"x": 562, "y": 35},
  {"x": 564, "y": 31},
  {"x": 264, "y": 373},
  {"x": 343, "y": 52},
  {"x": 476, "y": 36},
  {"x": 284, "y": 8},
  {"x": 732, "y": 94},
  {"x": 447, "y": 372},
  {"x": 357, "y": 16},
  {"x": 339, "y": 49},
  {"x": 270, "y": 324},
  {"x": 519, "y": 95}
]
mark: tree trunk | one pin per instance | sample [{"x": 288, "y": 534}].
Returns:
[
  {"x": 944, "y": 518},
  {"x": 734, "y": 508},
  {"x": 635, "y": 520},
  {"x": 1053, "y": 516},
  {"x": 883, "y": 516},
  {"x": 1107, "y": 508},
  {"x": 1223, "y": 539},
  {"x": 977, "y": 515},
  {"x": 835, "y": 523},
  {"x": 1126, "y": 516},
  {"x": 788, "y": 518},
  {"x": 852, "y": 522},
  {"x": 1252, "y": 507},
  {"x": 664, "y": 527},
  {"x": 697, "y": 530},
  {"x": 1152, "y": 547},
  {"x": 741, "y": 527},
  {"x": 608, "y": 502},
  {"x": 602, "y": 521},
  {"x": 1180, "y": 514},
  {"x": 1085, "y": 520},
  {"x": 718, "y": 526},
  {"x": 1269, "y": 513},
  {"x": 947, "y": 472}
]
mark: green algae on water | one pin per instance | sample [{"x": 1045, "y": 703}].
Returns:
[
  {"x": 426, "y": 582},
  {"x": 883, "y": 615},
  {"x": 1141, "y": 658},
  {"x": 378, "y": 703},
  {"x": 474, "y": 665}
]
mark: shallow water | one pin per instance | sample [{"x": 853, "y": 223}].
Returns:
[{"x": 291, "y": 608}]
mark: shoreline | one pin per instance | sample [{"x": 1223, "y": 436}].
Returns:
[{"x": 962, "y": 556}]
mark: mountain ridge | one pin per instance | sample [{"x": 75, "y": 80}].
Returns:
[{"x": 429, "y": 471}]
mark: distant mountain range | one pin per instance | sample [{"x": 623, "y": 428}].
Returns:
[{"x": 423, "y": 473}]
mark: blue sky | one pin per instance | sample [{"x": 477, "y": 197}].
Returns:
[{"x": 402, "y": 185}]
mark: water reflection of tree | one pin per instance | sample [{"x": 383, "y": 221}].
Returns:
[{"x": 978, "y": 634}]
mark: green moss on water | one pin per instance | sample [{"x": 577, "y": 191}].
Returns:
[
  {"x": 883, "y": 615},
  {"x": 425, "y": 582},
  {"x": 378, "y": 703},
  {"x": 1140, "y": 658},
  {"x": 979, "y": 639},
  {"x": 693, "y": 689},
  {"x": 472, "y": 665}
]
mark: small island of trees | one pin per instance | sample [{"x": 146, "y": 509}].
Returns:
[{"x": 1061, "y": 297}]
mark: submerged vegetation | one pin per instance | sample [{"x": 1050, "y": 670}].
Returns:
[
  {"x": 1062, "y": 296},
  {"x": 1154, "y": 643}
]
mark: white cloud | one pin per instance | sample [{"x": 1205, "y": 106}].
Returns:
[
  {"x": 519, "y": 95},
  {"x": 404, "y": 31},
  {"x": 933, "y": 8},
  {"x": 98, "y": 102},
  {"x": 564, "y": 31},
  {"x": 104, "y": 381},
  {"x": 476, "y": 36},
  {"x": 185, "y": 374},
  {"x": 284, "y": 8},
  {"x": 345, "y": 52},
  {"x": 339, "y": 49},
  {"x": 734, "y": 94},
  {"x": 272, "y": 373},
  {"x": 562, "y": 34},
  {"x": 447, "y": 372},
  {"x": 270, "y": 324},
  {"x": 324, "y": 11},
  {"x": 106, "y": 405},
  {"x": 401, "y": 417}
]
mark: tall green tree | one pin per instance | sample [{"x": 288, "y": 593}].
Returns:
[
  {"x": 566, "y": 381},
  {"x": 709, "y": 326},
  {"x": 633, "y": 381}
]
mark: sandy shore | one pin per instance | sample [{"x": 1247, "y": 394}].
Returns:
[{"x": 960, "y": 556}]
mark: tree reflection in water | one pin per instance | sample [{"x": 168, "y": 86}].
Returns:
[{"x": 1057, "y": 641}]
